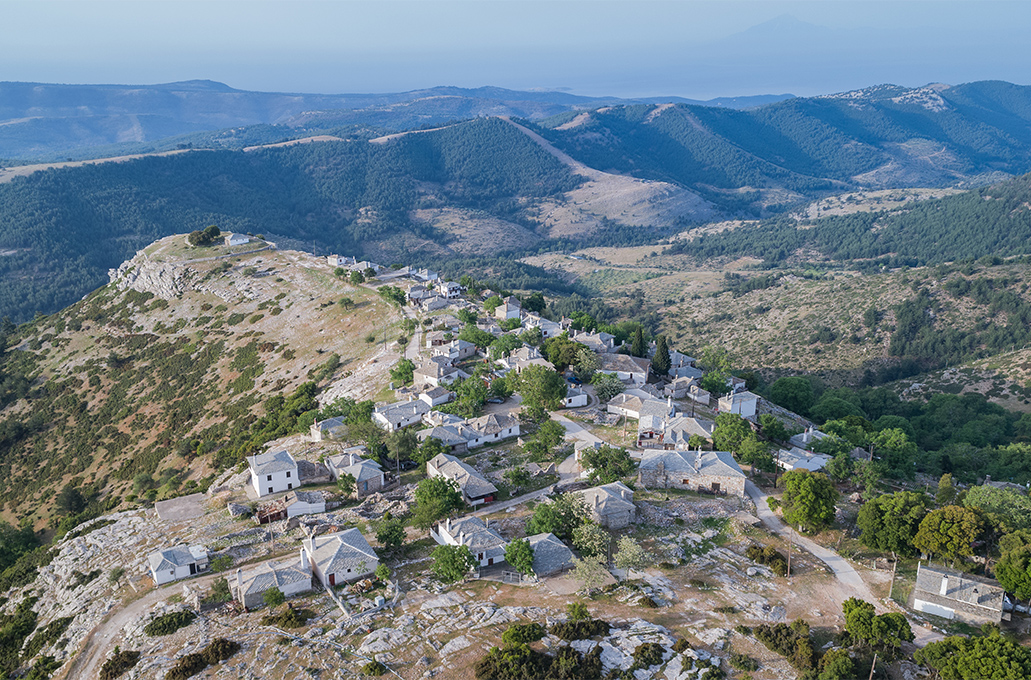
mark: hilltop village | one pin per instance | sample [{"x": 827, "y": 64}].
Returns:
[{"x": 528, "y": 497}]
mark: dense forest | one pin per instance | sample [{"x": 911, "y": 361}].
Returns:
[
  {"x": 61, "y": 230},
  {"x": 992, "y": 220}
]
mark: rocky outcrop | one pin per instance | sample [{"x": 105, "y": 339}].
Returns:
[{"x": 167, "y": 281}]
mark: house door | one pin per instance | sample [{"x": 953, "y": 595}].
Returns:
[
  {"x": 193, "y": 569},
  {"x": 490, "y": 561},
  {"x": 715, "y": 487},
  {"x": 332, "y": 579}
]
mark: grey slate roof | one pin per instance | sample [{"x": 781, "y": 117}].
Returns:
[
  {"x": 403, "y": 410},
  {"x": 309, "y": 497},
  {"x": 336, "y": 553},
  {"x": 623, "y": 363},
  {"x": 273, "y": 575},
  {"x": 550, "y": 555},
  {"x": 680, "y": 429},
  {"x": 477, "y": 535},
  {"x": 363, "y": 469},
  {"x": 471, "y": 482},
  {"x": 715, "y": 463},
  {"x": 179, "y": 556},
  {"x": 610, "y": 498},
  {"x": 963, "y": 592},
  {"x": 273, "y": 461},
  {"x": 492, "y": 423}
]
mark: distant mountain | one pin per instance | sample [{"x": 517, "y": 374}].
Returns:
[
  {"x": 759, "y": 158},
  {"x": 45, "y": 122}
]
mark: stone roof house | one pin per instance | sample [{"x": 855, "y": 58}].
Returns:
[
  {"x": 611, "y": 505},
  {"x": 172, "y": 564},
  {"x": 550, "y": 555},
  {"x": 800, "y": 459},
  {"x": 299, "y": 503},
  {"x": 510, "y": 308},
  {"x": 340, "y": 557},
  {"x": 236, "y": 239},
  {"x": 400, "y": 414},
  {"x": 475, "y": 489},
  {"x": 330, "y": 428},
  {"x": 742, "y": 403},
  {"x": 484, "y": 542},
  {"x": 953, "y": 595},
  {"x": 705, "y": 471},
  {"x": 435, "y": 396},
  {"x": 291, "y": 577},
  {"x": 436, "y": 374},
  {"x": 625, "y": 367},
  {"x": 461, "y": 435},
  {"x": 273, "y": 472},
  {"x": 368, "y": 474},
  {"x": 636, "y": 404}
]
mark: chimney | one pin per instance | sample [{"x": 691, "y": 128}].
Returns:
[
  {"x": 486, "y": 523},
  {"x": 461, "y": 538},
  {"x": 945, "y": 585},
  {"x": 239, "y": 584},
  {"x": 806, "y": 434},
  {"x": 304, "y": 560}
]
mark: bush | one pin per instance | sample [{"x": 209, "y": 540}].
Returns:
[
  {"x": 220, "y": 649},
  {"x": 579, "y": 630},
  {"x": 187, "y": 667},
  {"x": 743, "y": 662},
  {"x": 648, "y": 654},
  {"x": 273, "y": 597},
  {"x": 523, "y": 633},
  {"x": 374, "y": 668},
  {"x": 792, "y": 642},
  {"x": 118, "y": 665},
  {"x": 770, "y": 557},
  {"x": 681, "y": 645},
  {"x": 291, "y": 618},
  {"x": 648, "y": 603},
  {"x": 167, "y": 624}
]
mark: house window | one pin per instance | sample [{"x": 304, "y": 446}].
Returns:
[
  {"x": 348, "y": 571},
  {"x": 289, "y": 486},
  {"x": 366, "y": 484},
  {"x": 287, "y": 474},
  {"x": 269, "y": 478},
  {"x": 479, "y": 557}
]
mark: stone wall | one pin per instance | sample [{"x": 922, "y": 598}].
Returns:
[{"x": 654, "y": 479}]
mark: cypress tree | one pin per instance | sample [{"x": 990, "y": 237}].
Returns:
[
  {"x": 637, "y": 348},
  {"x": 661, "y": 362}
]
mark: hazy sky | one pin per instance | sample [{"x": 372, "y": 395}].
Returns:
[{"x": 689, "y": 48}]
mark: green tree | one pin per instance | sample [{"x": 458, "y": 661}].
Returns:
[
  {"x": 885, "y": 632},
  {"x": 1007, "y": 507},
  {"x": 836, "y": 664},
  {"x": 637, "y": 347},
  {"x": 589, "y": 571},
  {"x": 591, "y": 539},
  {"x": 542, "y": 390},
  {"x": 1013, "y": 571},
  {"x": 273, "y": 597},
  {"x": 793, "y": 393},
  {"x": 772, "y": 428},
  {"x": 731, "y": 429},
  {"x": 949, "y": 532},
  {"x": 357, "y": 278},
  {"x": 586, "y": 365},
  {"x": 431, "y": 447},
  {"x": 383, "y": 572},
  {"x": 435, "y": 497},
  {"x": 481, "y": 339},
  {"x": 491, "y": 303},
  {"x": 70, "y": 500},
  {"x": 561, "y": 516},
  {"x": 532, "y": 336},
  {"x": 946, "y": 494},
  {"x": 630, "y": 555},
  {"x": 346, "y": 303},
  {"x": 452, "y": 562},
  {"x": 467, "y": 316},
  {"x": 809, "y": 499},
  {"x": 503, "y": 346},
  {"x": 839, "y": 468},
  {"x": 892, "y": 521},
  {"x": 756, "y": 453},
  {"x": 607, "y": 464},
  {"x": 404, "y": 372},
  {"x": 519, "y": 554},
  {"x": 402, "y": 445},
  {"x": 606, "y": 386},
  {"x": 976, "y": 658},
  {"x": 347, "y": 484},
  {"x": 562, "y": 352},
  {"x": 894, "y": 451},
  {"x": 391, "y": 532},
  {"x": 500, "y": 388},
  {"x": 661, "y": 362},
  {"x": 696, "y": 442}
]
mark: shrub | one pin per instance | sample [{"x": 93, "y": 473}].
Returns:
[
  {"x": 790, "y": 641},
  {"x": 579, "y": 630},
  {"x": 374, "y": 668},
  {"x": 290, "y": 618},
  {"x": 221, "y": 563},
  {"x": 681, "y": 645},
  {"x": 648, "y": 654},
  {"x": 187, "y": 667},
  {"x": 220, "y": 649},
  {"x": 273, "y": 597},
  {"x": 522, "y": 633},
  {"x": 647, "y": 602},
  {"x": 167, "y": 624},
  {"x": 770, "y": 557},
  {"x": 118, "y": 664},
  {"x": 743, "y": 662}
]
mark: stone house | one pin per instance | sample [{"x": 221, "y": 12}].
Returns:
[
  {"x": 800, "y": 459},
  {"x": 435, "y": 396},
  {"x": 454, "y": 351},
  {"x": 330, "y": 428},
  {"x": 367, "y": 473},
  {"x": 485, "y": 543},
  {"x": 340, "y": 261},
  {"x": 291, "y": 577},
  {"x": 549, "y": 328},
  {"x": 704, "y": 471},
  {"x": 599, "y": 343},
  {"x": 273, "y": 472},
  {"x": 340, "y": 557},
  {"x": 550, "y": 555},
  {"x": 449, "y": 289},
  {"x": 575, "y": 398},
  {"x": 636, "y": 404},
  {"x": 953, "y": 595},
  {"x": 299, "y": 503},
  {"x": 625, "y": 367},
  {"x": 476, "y": 490},
  {"x": 510, "y": 308},
  {"x": 436, "y": 374},
  {"x": 172, "y": 564},
  {"x": 401, "y": 414},
  {"x": 611, "y": 505}
]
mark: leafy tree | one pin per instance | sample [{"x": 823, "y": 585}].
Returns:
[
  {"x": 491, "y": 303},
  {"x": 431, "y": 447},
  {"x": 589, "y": 571},
  {"x": 481, "y": 339},
  {"x": 793, "y": 393},
  {"x": 976, "y": 658},
  {"x": 435, "y": 497},
  {"x": 885, "y": 632},
  {"x": 561, "y": 516},
  {"x": 772, "y": 428},
  {"x": 467, "y": 316},
  {"x": 15, "y": 542},
  {"x": 586, "y": 365},
  {"x": 519, "y": 554},
  {"x": 839, "y": 468},
  {"x": 630, "y": 555},
  {"x": 591, "y": 539},
  {"x": 70, "y": 500},
  {"x": 532, "y": 336},
  {"x": 946, "y": 494},
  {"x": 608, "y": 464},
  {"x": 404, "y": 372},
  {"x": 1013, "y": 571},
  {"x": 383, "y": 572},
  {"x": 891, "y": 522},
  {"x": 402, "y": 445},
  {"x": 637, "y": 346},
  {"x": 661, "y": 362},
  {"x": 731, "y": 429},
  {"x": 500, "y": 388},
  {"x": 696, "y": 441},
  {"x": 356, "y": 278},
  {"x": 895, "y": 451},
  {"x": 562, "y": 352},
  {"x": 346, "y": 303},
  {"x": 391, "y": 532},
  {"x": 452, "y": 562},
  {"x": 949, "y": 532},
  {"x": 347, "y": 484},
  {"x": 1010, "y": 508},
  {"x": 534, "y": 302},
  {"x": 756, "y": 453},
  {"x": 273, "y": 597},
  {"x": 606, "y": 386},
  {"x": 503, "y": 346},
  {"x": 809, "y": 499},
  {"x": 517, "y": 477},
  {"x": 715, "y": 383},
  {"x": 542, "y": 390}
]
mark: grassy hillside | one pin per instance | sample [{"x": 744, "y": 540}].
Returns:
[
  {"x": 126, "y": 382},
  {"x": 61, "y": 230}
]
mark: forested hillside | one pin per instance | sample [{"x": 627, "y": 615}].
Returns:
[
  {"x": 760, "y": 158},
  {"x": 61, "y": 230},
  {"x": 994, "y": 220}
]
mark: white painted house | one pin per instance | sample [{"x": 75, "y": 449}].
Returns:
[
  {"x": 400, "y": 414},
  {"x": 273, "y": 472},
  {"x": 175, "y": 563},
  {"x": 575, "y": 398},
  {"x": 340, "y": 557},
  {"x": 236, "y": 239},
  {"x": 742, "y": 403},
  {"x": 304, "y": 503},
  {"x": 484, "y": 542}
]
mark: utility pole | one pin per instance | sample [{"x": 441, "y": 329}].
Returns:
[
  {"x": 789, "y": 552},
  {"x": 894, "y": 566},
  {"x": 872, "y": 667}
]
